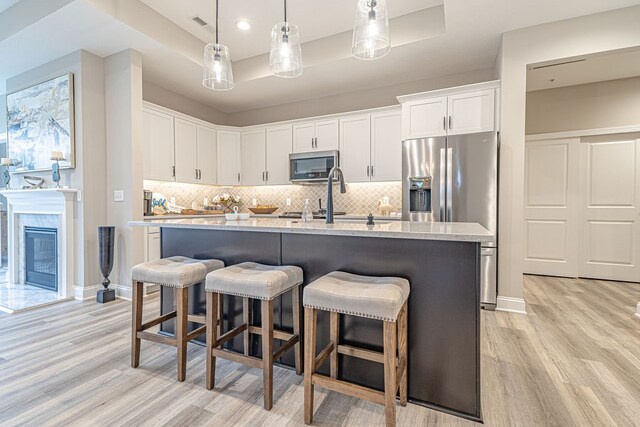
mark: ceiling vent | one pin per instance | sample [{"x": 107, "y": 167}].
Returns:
[
  {"x": 202, "y": 23},
  {"x": 537, "y": 67}
]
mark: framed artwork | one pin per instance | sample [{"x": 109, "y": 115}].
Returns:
[{"x": 40, "y": 120}]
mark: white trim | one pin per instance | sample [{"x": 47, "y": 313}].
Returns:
[
  {"x": 122, "y": 292},
  {"x": 511, "y": 305},
  {"x": 492, "y": 84},
  {"x": 638, "y": 310},
  {"x": 581, "y": 133},
  {"x": 86, "y": 292}
]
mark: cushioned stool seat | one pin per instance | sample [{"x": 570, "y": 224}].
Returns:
[
  {"x": 253, "y": 280},
  {"x": 374, "y": 297},
  {"x": 176, "y": 271}
]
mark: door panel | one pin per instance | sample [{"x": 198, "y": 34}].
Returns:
[
  {"x": 253, "y": 157},
  {"x": 186, "y": 147},
  {"x": 471, "y": 112},
  {"x": 228, "y": 157},
  {"x": 355, "y": 148},
  {"x": 207, "y": 163},
  {"x": 279, "y": 146},
  {"x": 158, "y": 159},
  {"x": 473, "y": 180},
  {"x": 551, "y": 207},
  {"x": 303, "y": 137},
  {"x": 386, "y": 146},
  {"x": 327, "y": 135},
  {"x": 424, "y": 118},
  {"x": 610, "y": 190}
]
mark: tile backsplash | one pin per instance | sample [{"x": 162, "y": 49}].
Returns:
[{"x": 360, "y": 198}]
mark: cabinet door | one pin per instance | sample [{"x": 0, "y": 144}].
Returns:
[
  {"x": 253, "y": 157},
  {"x": 153, "y": 247},
  {"x": 185, "y": 151},
  {"x": 206, "y": 155},
  {"x": 355, "y": 143},
  {"x": 228, "y": 157},
  {"x": 327, "y": 135},
  {"x": 424, "y": 118},
  {"x": 386, "y": 146},
  {"x": 471, "y": 112},
  {"x": 158, "y": 151},
  {"x": 279, "y": 145},
  {"x": 303, "y": 137}
]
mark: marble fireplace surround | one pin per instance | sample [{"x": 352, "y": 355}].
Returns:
[{"x": 50, "y": 208}]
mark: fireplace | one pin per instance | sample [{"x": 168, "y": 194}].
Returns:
[{"x": 41, "y": 257}]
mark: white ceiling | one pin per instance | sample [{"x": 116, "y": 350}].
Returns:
[
  {"x": 575, "y": 71},
  {"x": 428, "y": 43},
  {"x": 6, "y": 4}
]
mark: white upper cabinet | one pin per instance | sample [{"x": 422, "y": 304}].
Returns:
[
  {"x": 206, "y": 155},
  {"x": 386, "y": 146},
  {"x": 427, "y": 117},
  {"x": 186, "y": 143},
  {"x": 253, "y": 157},
  {"x": 456, "y": 111},
  {"x": 471, "y": 112},
  {"x": 228, "y": 142},
  {"x": 279, "y": 146},
  {"x": 355, "y": 148},
  {"x": 158, "y": 160},
  {"x": 316, "y": 136}
]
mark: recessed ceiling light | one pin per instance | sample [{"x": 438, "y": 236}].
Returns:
[{"x": 243, "y": 25}]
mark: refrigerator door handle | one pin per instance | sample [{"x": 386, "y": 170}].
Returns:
[
  {"x": 449, "y": 216},
  {"x": 443, "y": 184}
]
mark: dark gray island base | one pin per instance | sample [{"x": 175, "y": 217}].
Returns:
[{"x": 444, "y": 304}]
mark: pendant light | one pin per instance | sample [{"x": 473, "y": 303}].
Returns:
[
  {"x": 216, "y": 72},
  {"x": 371, "y": 30},
  {"x": 285, "y": 59}
]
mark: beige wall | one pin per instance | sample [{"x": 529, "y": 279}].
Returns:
[
  {"x": 606, "y": 104},
  {"x": 591, "y": 34},
  {"x": 352, "y": 101}
]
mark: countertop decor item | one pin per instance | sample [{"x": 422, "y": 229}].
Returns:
[
  {"x": 229, "y": 201},
  {"x": 40, "y": 119},
  {"x": 33, "y": 181},
  {"x": 106, "y": 244},
  {"x": 6, "y": 173},
  {"x": 55, "y": 168},
  {"x": 263, "y": 209},
  {"x": 217, "y": 73}
]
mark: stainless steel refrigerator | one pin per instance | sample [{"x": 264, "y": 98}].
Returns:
[{"x": 455, "y": 179}]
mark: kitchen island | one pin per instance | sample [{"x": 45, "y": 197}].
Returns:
[{"x": 440, "y": 260}]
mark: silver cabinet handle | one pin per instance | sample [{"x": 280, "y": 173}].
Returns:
[
  {"x": 450, "y": 121},
  {"x": 199, "y": 173},
  {"x": 316, "y": 138},
  {"x": 372, "y": 171},
  {"x": 444, "y": 123},
  {"x": 238, "y": 176},
  {"x": 312, "y": 142},
  {"x": 267, "y": 176},
  {"x": 263, "y": 176},
  {"x": 196, "y": 173},
  {"x": 367, "y": 170},
  {"x": 173, "y": 171}
]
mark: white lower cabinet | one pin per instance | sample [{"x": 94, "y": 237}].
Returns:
[
  {"x": 152, "y": 252},
  {"x": 229, "y": 161}
]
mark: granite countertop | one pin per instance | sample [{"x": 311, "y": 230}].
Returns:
[
  {"x": 274, "y": 215},
  {"x": 453, "y": 231}
]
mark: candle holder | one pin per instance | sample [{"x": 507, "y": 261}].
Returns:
[
  {"x": 55, "y": 168},
  {"x": 106, "y": 243}
]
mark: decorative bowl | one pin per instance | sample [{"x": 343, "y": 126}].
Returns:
[
  {"x": 263, "y": 211},
  {"x": 244, "y": 216},
  {"x": 231, "y": 216}
]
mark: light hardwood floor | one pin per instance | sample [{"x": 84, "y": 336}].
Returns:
[{"x": 574, "y": 360}]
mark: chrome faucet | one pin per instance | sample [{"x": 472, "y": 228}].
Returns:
[{"x": 337, "y": 172}]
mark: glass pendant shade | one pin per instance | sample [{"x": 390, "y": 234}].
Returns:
[
  {"x": 217, "y": 73},
  {"x": 285, "y": 59},
  {"x": 371, "y": 30}
]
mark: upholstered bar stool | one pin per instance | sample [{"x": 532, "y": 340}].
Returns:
[
  {"x": 179, "y": 273},
  {"x": 253, "y": 281},
  {"x": 381, "y": 298}
]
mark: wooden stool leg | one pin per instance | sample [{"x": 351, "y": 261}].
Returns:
[
  {"x": 267, "y": 353},
  {"x": 136, "y": 322},
  {"x": 182, "y": 311},
  {"x": 390, "y": 348},
  {"x": 403, "y": 352},
  {"x": 309, "y": 361},
  {"x": 212, "y": 337},
  {"x": 334, "y": 336},
  {"x": 246, "y": 319},
  {"x": 220, "y": 313},
  {"x": 295, "y": 302}
]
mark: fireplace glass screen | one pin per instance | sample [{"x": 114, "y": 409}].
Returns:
[{"x": 41, "y": 257}]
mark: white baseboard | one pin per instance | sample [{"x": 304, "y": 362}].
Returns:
[
  {"x": 122, "y": 292},
  {"x": 511, "y": 305},
  {"x": 85, "y": 292}
]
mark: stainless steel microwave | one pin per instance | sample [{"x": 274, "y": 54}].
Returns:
[{"x": 313, "y": 166}]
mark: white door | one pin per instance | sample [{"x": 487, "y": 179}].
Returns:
[
  {"x": 253, "y": 157},
  {"x": 186, "y": 146},
  {"x": 610, "y": 188},
  {"x": 386, "y": 146},
  {"x": 279, "y": 146},
  {"x": 157, "y": 146},
  {"x": 206, "y": 155},
  {"x": 304, "y": 137},
  {"x": 228, "y": 157},
  {"x": 424, "y": 118},
  {"x": 551, "y": 207},
  {"x": 355, "y": 148},
  {"x": 471, "y": 112},
  {"x": 327, "y": 135}
]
